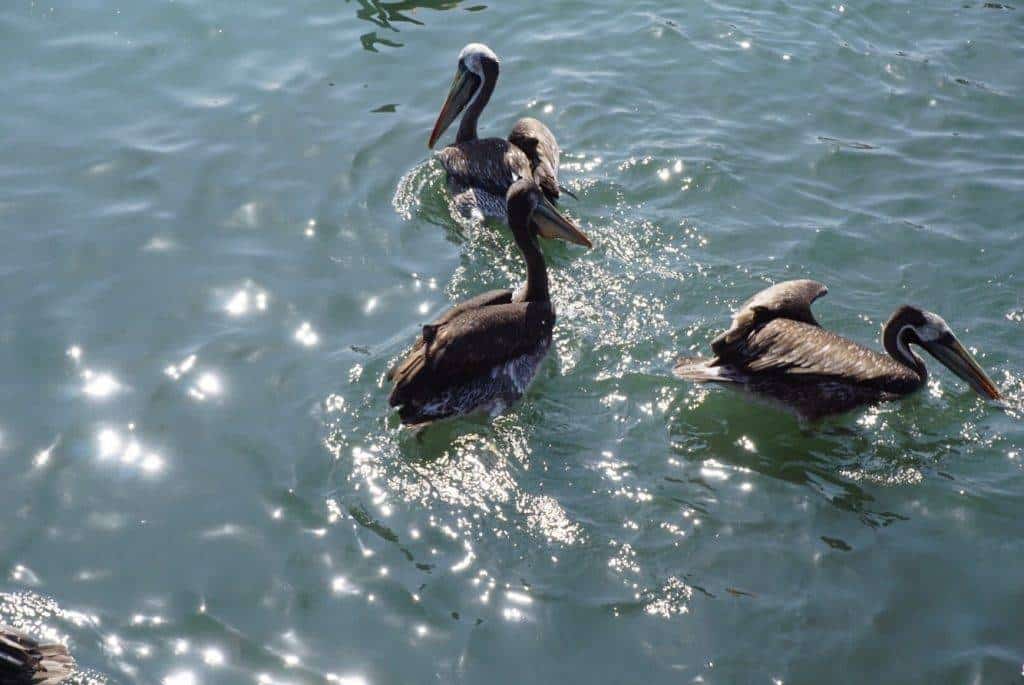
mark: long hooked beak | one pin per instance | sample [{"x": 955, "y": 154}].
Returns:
[
  {"x": 459, "y": 94},
  {"x": 552, "y": 224},
  {"x": 952, "y": 354}
]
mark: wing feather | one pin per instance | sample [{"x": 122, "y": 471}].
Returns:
[
  {"x": 413, "y": 358},
  {"x": 26, "y": 660},
  {"x": 469, "y": 345},
  {"x": 539, "y": 144},
  {"x": 786, "y": 300},
  {"x": 794, "y": 348},
  {"x": 490, "y": 164}
]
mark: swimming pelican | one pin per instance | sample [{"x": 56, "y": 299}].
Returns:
[
  {"x": 26, "y": 661},
  {"x": 776, "y": 349},
  {"x": 480, "y": 171},
  {"x": 482, "y": 354}
]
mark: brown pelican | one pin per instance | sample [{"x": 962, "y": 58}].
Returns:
[
  {"x": 26, "y": 661},
  {"x": 777, "y": 350},
  {"x": 482, "y": 354},
  {"x": 480, "y": 171}
]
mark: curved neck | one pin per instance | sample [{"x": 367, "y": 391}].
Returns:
[
  {"x": 896, "y": 338},
  {"x": 536, "y": 269},
  {"x": 467, "y": 127}
]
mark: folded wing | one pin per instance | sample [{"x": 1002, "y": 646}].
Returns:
[
  {"x": 469, "y": 344},
  {"x": 539, "y": 144}
]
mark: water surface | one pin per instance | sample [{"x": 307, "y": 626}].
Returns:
[{"x": 219, "y": 231}]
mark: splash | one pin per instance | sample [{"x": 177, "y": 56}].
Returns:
[{"x": 415, "y": 185}]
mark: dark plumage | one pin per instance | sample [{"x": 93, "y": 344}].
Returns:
[
  {"x": 482, "y": 354},
  {"x": 776, "y": 349},
  {"x": 481, "y": 170},
  {"x": 26, "y": 661},
  {"x": 540, "y": 147}
]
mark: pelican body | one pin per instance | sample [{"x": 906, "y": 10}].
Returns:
[
  {"x": 482, "y": 354},
  {"x": 777, "y": 350},
  {"x": 26, "y": 661},
  {"x": 481, "y": 170}
]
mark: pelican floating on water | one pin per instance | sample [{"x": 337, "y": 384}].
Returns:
[
  {"x": 26, "y": 661},
  {"x": 776, "y": 349},
  {"x": 480, "y": 171},
  {"x": 482, "y": 354}
]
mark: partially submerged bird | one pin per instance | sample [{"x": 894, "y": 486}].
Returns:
[
  {"x": 26, "y": 661},
  {"x": 480, "y": 171},
  {"x": 776, "y": 349},
  {"x": 482, "y": 354}
]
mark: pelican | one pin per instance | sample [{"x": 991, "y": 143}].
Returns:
[
  {"x": 480, "y": 171},
  {"x": 776, "y": 349},
  {"x": 26, "y": 661},
  {"x": 482, "y": 354}
]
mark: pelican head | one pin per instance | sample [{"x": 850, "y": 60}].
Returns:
[
  {"x": 530, "y": 212},
  {"x": 912, "y": 325},
  {"x": 478, "y": 65}
]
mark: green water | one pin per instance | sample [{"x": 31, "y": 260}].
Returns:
[{"x": 218, "y": 230}]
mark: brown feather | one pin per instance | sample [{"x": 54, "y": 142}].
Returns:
[
  {"x": 539, "y": 144},
  {"x": 26, "y": 661},
  {"x": 467, "y": 345}
]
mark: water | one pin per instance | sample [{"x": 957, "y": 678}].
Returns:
[{"x": 218, "y": 231}]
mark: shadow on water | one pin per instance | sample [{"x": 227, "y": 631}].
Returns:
[
  {"x": 829, "y": 457},
  {"x": 386, "y": 14}
]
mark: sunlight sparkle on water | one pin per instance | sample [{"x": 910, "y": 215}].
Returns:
[
  {"x": 246, "y": 301},
  {"x": 99, "y": 385},
  {"x": 207, "y": 385},
  {"x": 180, "y": 678},
  {"x": 177, "y": 371},
  {"x": 111, "y": 445},
  {"x": 346, "y": 679},
  {"x": 213, "y": 657},
  {"x": 341, "y": 585},
  {"x": 306, "y": 336},
  {"x": 238, "y": 304}
]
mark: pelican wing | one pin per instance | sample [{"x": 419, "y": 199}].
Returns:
[
  {"x": 787, "y": 300},
  {"x": 470, "y": 344},
  {"x": 26, "y": 660},
  {"x": 489, "y": 164},
  {"x": 539, "y": 144},
  {"x": 488, "y": 299},
  {"x": 794, "y": 348}
]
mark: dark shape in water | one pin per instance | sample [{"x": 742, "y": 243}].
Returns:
[
  {"x": 369, "y": 40},
  {"x": 846, "y": 143},
  {"x": 776, "y": 350},
  {"x": 26, "y": 661},
  {"x": 385, "y": 14},
  {"x": 836, "y": 543}
]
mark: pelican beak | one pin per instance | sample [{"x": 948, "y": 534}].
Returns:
[
  {"x": 464, "y": 85},
  {"x": 952, "y": 354},
  {"x": 552, "y": 224}
]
